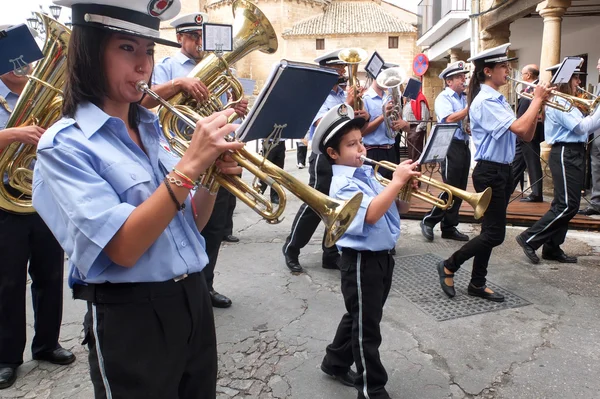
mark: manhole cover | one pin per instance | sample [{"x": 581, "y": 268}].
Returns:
[{"x": 416, "y": 278}]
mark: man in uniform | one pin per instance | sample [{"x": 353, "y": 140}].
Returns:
[
  {"x": 170, "y": 77},
  {"x": 451, "y": 107},
  {"x": 25, "y": 240},
  {"x": 306, "y": 220}
]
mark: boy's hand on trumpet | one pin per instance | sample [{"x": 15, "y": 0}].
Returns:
[{"x": 404, "y": 172}]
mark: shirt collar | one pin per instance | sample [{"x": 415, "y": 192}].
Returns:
[
  {"x": 490, "y": 91},
  {"x": 182, "y": 58},
  {"x": 91, "y": 118},
  {"x": 452, "y": 93},
  {"x": 349, "y": 171}
]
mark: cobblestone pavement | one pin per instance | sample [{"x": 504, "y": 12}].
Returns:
[{"x": 271, "y": 341}]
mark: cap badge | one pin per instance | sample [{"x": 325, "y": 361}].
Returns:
[
  {"x": 342, "y": 110},
  {"x": 461, "y": 65},
  {"x": 158, "y": 7},
  {"x": 199, "y": 19}
]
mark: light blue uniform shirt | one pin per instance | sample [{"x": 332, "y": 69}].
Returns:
[
  {"x": 491, "y": 117},
  {"x": 11, "y": 98},
  {"x": 447, "y": 103},
  {"x": 172, "y": 67},
  {"x": 373, "y": 103},
  {"x": 361, "y": 236},
  {"x": 559, "y": 126},
  {"x": 88, "y": 179},
  {"x": 334, "y": 98}
]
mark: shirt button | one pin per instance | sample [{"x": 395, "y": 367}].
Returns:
[
  {"x": 183, "y": 244},
  {"x": 133, "y": 176}
]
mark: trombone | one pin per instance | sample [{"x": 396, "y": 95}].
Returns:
[
  {"x": 336, "y": 215},
  {"x": 479, "y": 201}
]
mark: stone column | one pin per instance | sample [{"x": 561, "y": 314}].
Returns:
[{"x": 552, "y": 12}]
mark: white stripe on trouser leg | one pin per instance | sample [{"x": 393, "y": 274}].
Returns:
[
  {"x": 562, "y": 164},
  {"x": 360, "y": 326},
  {"x": 99, "y": 353},
  {"x": 295, "y": 227}
]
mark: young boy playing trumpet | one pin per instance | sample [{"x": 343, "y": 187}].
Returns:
[{"x": 366, "y": 264}]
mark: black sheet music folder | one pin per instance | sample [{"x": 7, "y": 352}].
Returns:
[
  {"x": 291, "y": 97},
  {"x": 17, "y": 49}
]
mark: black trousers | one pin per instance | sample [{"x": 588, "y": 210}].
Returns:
[
  {"x": 527, "y": 156},
  {"x": 301, "y": 153},
  {"x": 231, "y": 203},
  {"x": 306, "y": 220},
  {"x": 567, "y": 166},
  {"x": 493, "y": 227},
  {"x": 215, "y": 230},
  {"x": 366, "y": 281},
  {"x": 26, "y": 238},
  {"x": 277, "y": 156},
  {"x": 382, "y": 154},
  {"x": 455, "y": 171},
  {"x": 151, "y": 340}
]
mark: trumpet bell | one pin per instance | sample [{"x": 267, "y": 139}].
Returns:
[
  {"x": 352, "y": 55},
  {"x": 478, "y": 201},
  {"x": 337, "y": 216},
  {"x": 391, "y": 77}
]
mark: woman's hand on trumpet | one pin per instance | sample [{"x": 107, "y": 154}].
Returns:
[
  {"x": 208, "y": 143},
  {"x": 542, "y": 91}
]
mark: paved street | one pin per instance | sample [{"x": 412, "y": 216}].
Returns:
[{"x": 272, "y": 340}]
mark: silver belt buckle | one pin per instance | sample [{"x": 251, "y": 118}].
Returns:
[{"x": 179, "y": 278}]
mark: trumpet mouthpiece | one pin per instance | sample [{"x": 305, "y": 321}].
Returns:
[{"x": 141, "y": 85}]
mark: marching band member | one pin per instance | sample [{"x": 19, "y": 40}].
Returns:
[
  {"x": 26, "y": 244},
  {"x": 306, "y": 220},
  {"x": 169, "y": 78},
  {"x": 567, "y": 133},
  {"x": 380, "y": 147},
  {"x": 451, "y": 107},
  {"x": 122, "y": 209},
  {"x": 367, "y": 263},
  {"x": 494, "y": 128}
]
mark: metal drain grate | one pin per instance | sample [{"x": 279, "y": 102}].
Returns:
[{"x": 416, "y": 278}]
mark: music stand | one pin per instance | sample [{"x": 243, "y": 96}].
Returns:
[
  {"x": 565, "y": 70},
  {"x": 439, "y": 141},
  {"x": 288, "y": 102},
  {"x": 217, "y": 37},
  {"x": 374, "y": 65},
  {"x": 18, "y": 49}
]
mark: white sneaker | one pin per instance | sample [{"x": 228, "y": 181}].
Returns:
[{"x": 300, "y": 166}]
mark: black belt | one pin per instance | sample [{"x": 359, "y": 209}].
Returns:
[
  {"x": 571, "y": 145},
  {"x": 379, "y": 147},
  {"x": 132, "y": 292},
  {"x": 354, "y": 252},
  {"x": 496, "y": 164}
]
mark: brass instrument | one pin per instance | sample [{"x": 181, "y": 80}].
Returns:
[
  {"x": 336, "y": 215},
  {"x": 479, "y": 201},
  {"x": 586, "y": 93},
  {"x": 586, "y": 106},
  {"x": 391, "y": 79},
  {"x": 39, "y": 104},
  {"x": 251, "y": 31},
  {"x": 353, "y": 57}
]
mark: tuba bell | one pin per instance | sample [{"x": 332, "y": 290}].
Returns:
[
  {"x": 391, "y": 79},
  {"x": 251, "y": 31},
  {"x": 40, "y": 103},
  {"x": 353, "y": 57}
]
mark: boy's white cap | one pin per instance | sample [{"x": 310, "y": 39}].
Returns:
[
  {"x": 132, "y": 17},
  {"x": 454, "y": 69},
  {"x": 493, "y": 55},
  {"x": 335, "y": 119},
  {"x": 190, "y": 22}
]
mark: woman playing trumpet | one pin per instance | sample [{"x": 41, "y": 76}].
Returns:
[
  {"x": 115, "y": 200},
  {"x": 494, "y": 129}
]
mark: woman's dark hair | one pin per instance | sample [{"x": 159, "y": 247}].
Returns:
[
  {"x": 566, "y": 87},
  {"x": 477, "y": 78},
  {"x": 336, "y": 140},
  {"x": 86, "y": 78}
]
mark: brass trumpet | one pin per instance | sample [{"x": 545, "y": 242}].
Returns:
[
  {"x": 479, "y": 201},
  {"x": 336, "y": 215},
  {"x": 353, "y": 57}
]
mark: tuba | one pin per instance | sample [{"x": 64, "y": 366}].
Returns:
[
  {"x": 251, "y": 31},
  {"x": 391, "y": 79},
  {"x": 353, "y": 57},
  {"x": 40, "y": 104},
  {"x": 479, "y": 201}
]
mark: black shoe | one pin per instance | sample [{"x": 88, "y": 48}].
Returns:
[
  {"x": 231, "y": 238},
  {"x": 8, "y": 376},
  {"x": 427, "y": 231},
  {"x": 292, "y": 262},
  {"x": 559, "y": 257},
  {"x": 219, "y": 300},
  {"x": 331, "y": 263},
  {"x": 454, "y": 235},
  {"x": 589, "y": 211},
  {"x": 448, "y": 289},
  {"x": 482, "y": 293},
  {"x": 528, "y": 250},
  {"x": 532, "y": 198},
  {"x": 57, "y": 356},
  {"x": 346, "y": 378}
]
